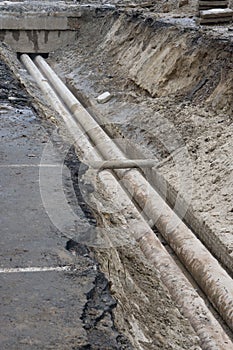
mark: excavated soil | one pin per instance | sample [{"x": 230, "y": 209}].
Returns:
[
  {"x": 128, "y": 306},
  {"x": 172, "y": 96},
  {"x": 171, "y": 85}
]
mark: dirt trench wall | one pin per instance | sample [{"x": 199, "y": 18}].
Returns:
[
  {"x": 145, "y": 311},
  {"x": 165, "y": 60},
  {"x": 189, "y": 73},
  {"x": 102, "y": 37}
]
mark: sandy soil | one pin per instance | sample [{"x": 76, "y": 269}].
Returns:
[
  {"x": 172, "y": 92},
  {"x": 144, "y": 314}
]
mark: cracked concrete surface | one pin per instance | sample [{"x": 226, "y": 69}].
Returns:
[{"x": 44, "y": 309}]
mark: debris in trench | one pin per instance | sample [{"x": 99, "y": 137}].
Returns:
[
  {"x": 105, "y": 97},
  {"x": 10, "y": 91},
  {"x": 77, "y": 248}
]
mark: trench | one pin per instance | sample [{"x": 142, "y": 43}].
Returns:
[
  {"x": 171, "y": 73},
  {"x": 194, "y": 259},
  {"x": 169, "y": 56}
]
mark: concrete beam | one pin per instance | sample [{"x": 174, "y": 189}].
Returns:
[
  {"x": 39, "y": 22},
  {"x": 33, "y": 41}
]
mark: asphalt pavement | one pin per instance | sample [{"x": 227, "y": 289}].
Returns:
[{"x": 53, "y": 295}]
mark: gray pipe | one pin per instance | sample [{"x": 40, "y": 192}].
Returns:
[{"x": 204, "y": 268}]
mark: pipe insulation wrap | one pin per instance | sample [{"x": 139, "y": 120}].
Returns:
[
  {"x": 210, "y": 332},
  {"x": 204, "y": 268}
]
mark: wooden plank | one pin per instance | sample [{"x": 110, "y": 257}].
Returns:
[
  {"x": 215, "y": 20},
  {"x": 216, "y": 13},
  {"x": 210, "y": 7},
  {"x": 213, "y": 3}
]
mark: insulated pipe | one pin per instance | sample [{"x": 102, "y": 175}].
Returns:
[
  {"x": 210, "y": 332},
  {"x": 193, "y": 307},
  {"x": 204, "y": 268},
  {"x": 123, "y": 164},
  {"x": 185, "y": 302}
]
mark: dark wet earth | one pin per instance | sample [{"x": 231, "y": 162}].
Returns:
[{"x": 39, "y": 309}]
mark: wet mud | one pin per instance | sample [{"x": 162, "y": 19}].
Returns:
[{"x": 10, "y": 90}]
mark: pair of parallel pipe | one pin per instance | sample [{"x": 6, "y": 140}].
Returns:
[{"x": 205, "y": 269}]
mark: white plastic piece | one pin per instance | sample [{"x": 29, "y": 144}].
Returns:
[
  {"x": 103, "y": 98},
  {"x": 217, "y": 11}
]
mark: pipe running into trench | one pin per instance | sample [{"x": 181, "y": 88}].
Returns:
[
  {"x": 123, "y": 164},
  {"x": 205, "y": 269}
]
